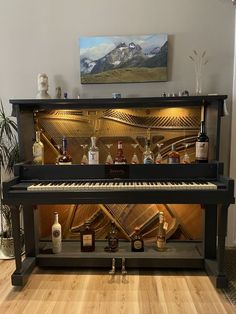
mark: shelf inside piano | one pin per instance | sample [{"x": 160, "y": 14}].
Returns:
[{"x": 178, "y": 254}]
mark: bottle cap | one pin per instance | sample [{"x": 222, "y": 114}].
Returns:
[{"x": 136, "y": 229}]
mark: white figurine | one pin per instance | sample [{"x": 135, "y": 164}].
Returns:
[{"x": 42, "y": 87}]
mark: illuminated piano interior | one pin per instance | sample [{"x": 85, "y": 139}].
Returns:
[{"x": 175, "y": 125}]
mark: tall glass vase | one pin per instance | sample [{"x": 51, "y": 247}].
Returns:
[{"x": 198, "y": 82}]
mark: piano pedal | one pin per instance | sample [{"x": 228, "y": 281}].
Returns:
[
  {"x": 123, "y": 270},
  {"x": 113, "y": 267}
]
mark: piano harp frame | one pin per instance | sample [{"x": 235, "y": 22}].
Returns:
[{"x": 207, "y": 254}]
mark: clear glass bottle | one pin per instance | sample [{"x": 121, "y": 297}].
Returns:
[
  {"x": 120, "y": 158},
  {"x": 137, "y": 244},
  {"x": 38, "y": 150},
  {"x": 202, "y": 145},
  {"x": 161, "y": 232},
  {"x": 87, "y": 238},
  {"x": 56, "y": 235},
  {"x": 173, "y": 156},
  {"x": 112, "y": 238},
  {"x": 93, "y": 153},
  {"x": 148, "y": 156},
  {"x": 186, "y": 157},
  {"x": 109, "y": 159},
  {"x": 134, "y": 159},
  {"x": 158, "y": 159},
  {"x": 64, "y": 158}
]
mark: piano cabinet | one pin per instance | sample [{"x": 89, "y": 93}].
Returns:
[{"x": 206, "y": 254}]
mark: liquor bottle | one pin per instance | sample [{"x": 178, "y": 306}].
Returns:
[
  {"x": 38, "y": 150},
  {"x": 64, "y": 158},
  {"x": 87, "y": 238},
  {"x": 93, "y": 153},
  {"x": 158, "y": 159},
  {"x": 120, "y": 158},
  {"x": 56, "y": 235},
  {"x": 202, "y": 144},
  {"x": 161, "y": 232},
  {"x": 137, "y": 244},
  {"x": 112, "y": 238},
  {"x": 148, "y": 156},
  {"x": 173, "y": 156}
]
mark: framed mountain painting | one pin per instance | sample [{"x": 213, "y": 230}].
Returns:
[{"x": 123, "y": 59}]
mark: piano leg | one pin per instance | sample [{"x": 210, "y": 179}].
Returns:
[{"x": 25, "y": 267}]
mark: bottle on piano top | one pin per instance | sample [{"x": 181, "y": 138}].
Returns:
[
  {"x": 202, "y": 145},
  {"x": 93, "y": 153},
  {"x": 148, "y": 156},
  {"x": 56, "y": 235},
  {"x": 87, "y": 238},
  {"x": 38, "y": 150},
  {"x": 173, "y": 156},
  {"x": 161, "y": 232},
  {"x": 64, "y": 158},
  {"x": 120, "y": 158}
]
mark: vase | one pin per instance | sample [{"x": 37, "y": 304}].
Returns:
[{"x": 198, "y": 83}]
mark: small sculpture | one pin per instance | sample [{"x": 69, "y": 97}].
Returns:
[
  {"x": 58, "y": 92},
  {"x": 42, "y": 87}
]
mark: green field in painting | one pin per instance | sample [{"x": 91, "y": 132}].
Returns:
[{"x": 127, "y": 75}]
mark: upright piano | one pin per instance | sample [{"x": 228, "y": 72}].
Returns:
[{"x": 192, "y": 183}]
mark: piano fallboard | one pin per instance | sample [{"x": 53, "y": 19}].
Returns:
[{"x": 144, "y": 184}]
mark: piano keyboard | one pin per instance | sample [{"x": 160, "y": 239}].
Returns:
[{"x": 95, "y": 186}]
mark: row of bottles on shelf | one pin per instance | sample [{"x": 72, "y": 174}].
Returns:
[
  {"x": 92, "y": 158},
  {"x": 87, "y": 237}
]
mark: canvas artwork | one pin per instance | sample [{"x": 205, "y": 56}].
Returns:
[{"x": 123, "y": 59}]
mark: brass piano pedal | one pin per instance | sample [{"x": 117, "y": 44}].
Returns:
[{"x": 113, "y": 267}]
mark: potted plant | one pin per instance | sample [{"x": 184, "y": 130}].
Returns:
[{"x": 9, "y": 154}]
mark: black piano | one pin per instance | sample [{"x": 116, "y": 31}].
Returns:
[{"x": 117, "y": 184}]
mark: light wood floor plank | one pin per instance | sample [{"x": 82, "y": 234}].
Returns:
[{"x": 82, "y": 291}]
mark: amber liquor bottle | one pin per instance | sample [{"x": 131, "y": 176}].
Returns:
[
  {"x": 64, "y": 158},
  {"x": 173, "y": 156},
  {"x": 38, "y": 150},
  {"x": 120, "y": 158},
  {"x": 161, "y": 232},
  {"x": 137, "y": 244},
  {"x": 87, "y": 238},
  {"x": 113, "y": 240},
  {"x": 202, "y": 145}
]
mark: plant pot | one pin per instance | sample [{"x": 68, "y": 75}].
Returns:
[{"x": 7, "y": 246}]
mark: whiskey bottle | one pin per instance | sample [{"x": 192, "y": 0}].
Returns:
[
  {"x": 93, "y": 153},
  {"x": 113, "y": 240},
  {"x": 64, "y": 158},
  {"x": 148, "y": 156},
  {"x": 56, "y": 235},
  {"x": 120, "y": 158},
  {"x": 137, "y": 244},
  {"x": 87, "y": 238},
  {"x": 173, "y": 156},
  {"x": 38, "y": 150},
  {"x": 161, "y": 232},
  {"x": 202, "y": 144}
]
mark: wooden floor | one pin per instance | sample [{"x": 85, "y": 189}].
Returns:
[{"x": 88, "y": 292}]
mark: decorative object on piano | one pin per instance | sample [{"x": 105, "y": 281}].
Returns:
[
  {"x": 112, "y": 238},
  {"x": 120, "y": 158},
  {"x": 65, "y": 95},
  {"x": 158, "y": 159},
  {"x": 202, "y": 145},
  {"x": 186, "y": 158},
  {"x": 173, "y": 156},
  {"x": 56, "y": 235},
  {"x": 109, "y": 159},
  {"x": 42, "y": 87},
  {"x": 87, "y": 238},
  {"x": 116, "y": 95},
  {"x": 58, "y": 92},
  {"x": 185, "y": 93},
  {"x": 148, "y": 156},
  {"x": 199, "y": 60},
  {"x": 64, "y": 158},
  {"x": 38, "y": 150},
  {"x": 161, "y": 232},
  {"x": 84, "y": 160},
  {"x": 123, "y": 59},
  {"x": 93, "y": 153},
  {"x": 134, "y": 159},
  {"x": 137, "y": 244}
]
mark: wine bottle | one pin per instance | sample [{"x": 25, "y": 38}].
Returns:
[
  {"x": 202, "y": 145},
  {"x": 161, "y": 232},
  {"x": 120, "y": 158},
  {"x": 173, "y": 156},
  {"x": 38, "y": 150},
  {"x": 112, "y": 238},
  {"x": 87, "y": 238},
  {"x": 64, "y": 158},
  {"x": 93, "y": 153},
  {"x": 56, "y": 235},
  {"x": 137, "y": 244},
  {"x": 148, "y": 156}
]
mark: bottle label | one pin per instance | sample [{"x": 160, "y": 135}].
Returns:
[
  {"x": 173, "y": 160},
  {"x": 113, "y": 243},
  {"x": 87, "y": 240},
  {"x": 37, "y": 155},
  {"x": 138, "y": 244},
  {"x": 56, "y": 233},
  {"x": 161, "y": 242},
  {"x": 202, "y": 150},
  {"x": 65, "y": 163},
  {"x": 93, "y": 158},
  {"x": 148, "y": 160}
]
